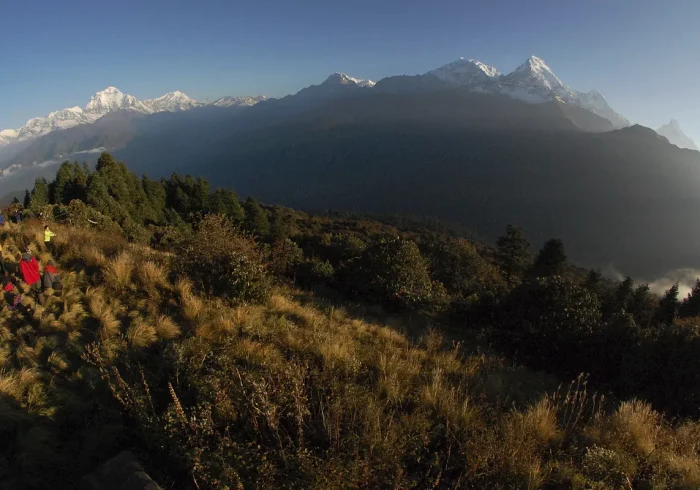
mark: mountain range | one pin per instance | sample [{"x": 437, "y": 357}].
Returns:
[
  {"x": 462, "y": 143},
  {"x": 111, "y": 100},
  {"x": 532, "y": 82}
]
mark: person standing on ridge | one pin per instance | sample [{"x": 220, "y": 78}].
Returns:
[{"x": 47, "y": 239}]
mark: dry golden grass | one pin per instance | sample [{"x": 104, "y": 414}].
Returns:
[
  {"x": 218, "y": 327},
  {"x": 636, "y": 425},
  {"x": 57, "y": 362},
  {"x": 166, "y": 328},
  {"x": 152, "y": 275},
  {"x": 192, "y": 305},
  {"x": 336, "y": 378},
  {"x": 141, "y": 333},
  {"x": 16, "y": 383},
  {"x": 94, "y": 257},
  {"x": 118, "y": 271}
]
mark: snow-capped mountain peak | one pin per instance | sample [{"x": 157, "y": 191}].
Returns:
[
  {"x": 536, "y": 75},
  {"x": 172, "y": 102},
  {"x": 112, "y": 99},
  {"x": 466, "y": 72},
  {"x": 533, "y": 81},
  {"x": 343, "y": 79},
  {"x": 675, "y": 135},
  {"x": 246, "y": 101}
]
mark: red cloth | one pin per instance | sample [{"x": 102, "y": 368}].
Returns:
[
  {"x": 51, "y": 269},
  {"x": 30, "y": 271},
  {"x": 8, "y": 287}
]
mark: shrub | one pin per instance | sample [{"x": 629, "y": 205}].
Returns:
[
  {"x": 457, "y": 265},
  {"x": 314, "y": 272},
  {"x": 284, "y": 256},
  {"x": 394, "y": 272},
  {"x": 222, "y": 261},
  {"x": 550, "y": 318}
]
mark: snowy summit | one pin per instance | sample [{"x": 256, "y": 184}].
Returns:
[
  {"x": 533, "y": 81},
  {"x": 107, "y": 101}
]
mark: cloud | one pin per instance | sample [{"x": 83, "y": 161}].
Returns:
[
  {"x": 15, "y": 168},
  {"x": 684, "y": 277}
]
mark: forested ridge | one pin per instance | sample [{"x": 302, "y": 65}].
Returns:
[{"x": 232, "y": 344}]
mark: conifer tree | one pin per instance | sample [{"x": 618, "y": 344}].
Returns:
[
  {"x": 256, "y": 220},
  {"x": 691, "y": 305},
  {"x": 225, "y": 201},
  {"x": 40, "y": 194},
  {"x": 550, "y": 259},
  {"x": 513, "y": 254},
  {"x": 668, "y": 306},
  {"x": 594, "y": 282}
]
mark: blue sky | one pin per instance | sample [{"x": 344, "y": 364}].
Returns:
[{"x": 643, "y": 55}]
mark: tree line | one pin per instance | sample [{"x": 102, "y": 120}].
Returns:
[{"x": 537, "y": 307}]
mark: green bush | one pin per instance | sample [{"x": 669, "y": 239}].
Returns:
[
  {"x": 314, "y": 272},
  {"x": 222, "y": 261},
  {"x": 394, "y": 272},
  {"x": 284, "y": 257}
]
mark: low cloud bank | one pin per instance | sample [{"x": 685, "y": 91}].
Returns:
[
  {"x": 16, "y": 168},
  {"x": 684, "y": 277}
]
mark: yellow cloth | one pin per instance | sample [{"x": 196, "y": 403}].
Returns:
[{"x": 48, "y": 234}]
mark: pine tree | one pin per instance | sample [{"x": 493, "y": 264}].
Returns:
[
  {"x": 256, "y": 220},
  {"x": 278, "y": 230},
  {"x": 62, "y": 185},
  {"x": 668, "y": 306},
  {"x": 513, "y": 254},
  {"x": 691, "y": 305},
  {"x": 40, "y": 195},
  {"x": 594, "y": 282},
  {"x": 641, "y": 306},
  {"x": 225, "y": 201},
  {"x": 550, "y": 260},
  {"x": 27, "y": 199}
]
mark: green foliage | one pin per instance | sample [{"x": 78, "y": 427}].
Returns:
[
  {"x": 460, "y": 268},
  {"x": 549, "y": 318},
  {"x": 314, "y": 272},
  {"x": 513, "y": 255},
  {"x": 550, "y": 260},
  {"x": 256, "y": 220},
  {"x": 393, "y": 271},
  {"x": 690, "y": 306},
  {"x": 225, "y": 201},
  {"x": 594, "y": 282},
  {"x": 668, "y": 306},
  {"x": 156, "y": 196},
  {"x": 40, "y": 195},
  {"x": 70, "y": 183},
  {"x": 222, "y": 261},
  {"x": 284, "y": 257}
]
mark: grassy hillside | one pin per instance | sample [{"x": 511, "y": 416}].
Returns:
[{"x": 291, "y": 391}]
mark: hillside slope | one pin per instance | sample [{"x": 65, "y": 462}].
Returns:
[{"x": 290, "y": 393}]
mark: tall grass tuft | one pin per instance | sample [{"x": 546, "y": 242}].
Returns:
[
  {"x": 166, "y": 328},
  {"x": 152, "y": 275},
  {"x": 118, "y": 271},
  {"x": 192, "y": 305},
  {"x": 141, "y": 333}
]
